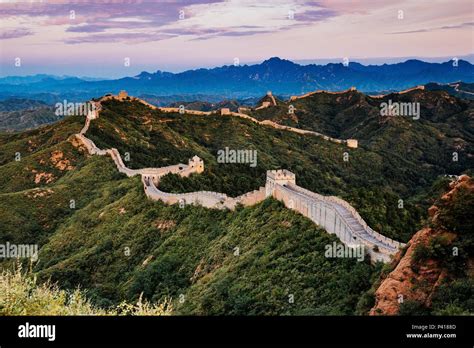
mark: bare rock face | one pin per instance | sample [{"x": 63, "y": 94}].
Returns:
[
  {"x": 463, "y": 180},
  {"x": 403, "y": 283},
  {"x": 399, "y": 284},
  {"x": 432, "y": 211}
]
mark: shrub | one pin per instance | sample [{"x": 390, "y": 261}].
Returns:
[
  {"x": 20, "y": 294},
  {"x": 411, "y": 307}
]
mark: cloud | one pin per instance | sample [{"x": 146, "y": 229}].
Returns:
[
  {"x": 101, "y": 20},
  {"x": 119, "y": 37},
  {"x": 90, "y": 12},
  {"x": 88, "y": 28},
  {"x": 445, "y": 27},
  {"x": 312, "y": 16},
  {"x": 227, "y": 33},
  {"x": 15, "y": 33},
  {"x": 136, "y": 21}
]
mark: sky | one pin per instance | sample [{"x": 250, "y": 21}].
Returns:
[{"x": 122, "y": 38}]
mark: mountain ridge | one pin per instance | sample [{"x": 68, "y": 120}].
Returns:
[{"x": 281, "y": 76}]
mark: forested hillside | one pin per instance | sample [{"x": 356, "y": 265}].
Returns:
[{"x": 96, "y": 228}]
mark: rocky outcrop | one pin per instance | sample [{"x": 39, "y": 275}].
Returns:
[
  {"x": 410, "y": 280},
  {"x": 399, "y": 284}
]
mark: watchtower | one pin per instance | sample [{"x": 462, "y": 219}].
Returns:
[
  {"x": 122, "y": 95},
  {"x": 281, "y": 177},
  {"x": 196, "y": 163},
  {"x": 278, "y": 177},
  {"x": 352, "y": 143}
]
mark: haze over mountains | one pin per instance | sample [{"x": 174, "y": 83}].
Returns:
[{"x": 281, "y": 76}]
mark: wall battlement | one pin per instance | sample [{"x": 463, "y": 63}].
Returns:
[
  {"x": 281, "y": 176},
  {"x": 196, "y": 165}
]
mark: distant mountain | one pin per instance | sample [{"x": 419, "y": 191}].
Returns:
[
  {"x": 22, "y": 80},
  {"x": 20, "y": 114},
  {"x": 15, "y": 104},
  {"x": 281, "y": 76},
  {"x": 25, "y": 80}
]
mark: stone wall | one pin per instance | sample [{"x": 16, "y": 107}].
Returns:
[
  {"x": 207, "y": 199},
  {"x": 325, "y": 215},
  {"x": 253, "y": 197},
  {"x": 420, "y": 87},
  {"x": 296, "y": 97},
  {"x": 264, "y": 105},
  {"x": 335, "y": 216},
  {"x": 189, "y": 112}
]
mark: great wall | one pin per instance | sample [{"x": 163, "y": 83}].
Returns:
[
  {"x": 416, "y": 88},
  {"x": 335, "y": 215},
  {"x": 351, "y": 143},
  {"x": 319, "y": 91}
]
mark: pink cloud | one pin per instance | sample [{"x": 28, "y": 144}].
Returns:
[{"x": 15, "y": 33}]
